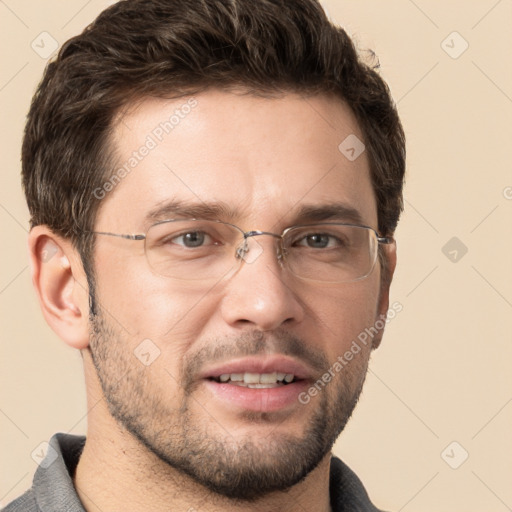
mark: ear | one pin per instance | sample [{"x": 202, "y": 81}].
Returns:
[
  {"x": 387, "y": 271},
  {"x": 61, "y": 285}
]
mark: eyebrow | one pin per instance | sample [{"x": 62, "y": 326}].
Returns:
[
  {"x": 219, "y": 210},
  {"x": 185, "y": 209},
  {"x": 332, "y": 211}
]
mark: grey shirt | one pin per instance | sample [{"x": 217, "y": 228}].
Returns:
[{"x": 53, "y": 490}]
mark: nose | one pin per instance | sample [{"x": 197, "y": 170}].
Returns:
[{"x": 261, "y": 293}]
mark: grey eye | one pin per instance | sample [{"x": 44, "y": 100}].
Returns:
[
  {"x": 191, "y": 239},
  {"x": 317, "y": 241}
]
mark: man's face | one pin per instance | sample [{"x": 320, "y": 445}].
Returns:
[{"x": 160, "y": 344}]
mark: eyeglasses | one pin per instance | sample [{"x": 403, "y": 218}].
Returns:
[{"x": 195, "y": 249}]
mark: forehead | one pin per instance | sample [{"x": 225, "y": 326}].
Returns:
[{"x": 261, "y": 160}]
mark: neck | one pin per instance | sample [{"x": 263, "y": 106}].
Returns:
[{"x": 117, "y": 472}]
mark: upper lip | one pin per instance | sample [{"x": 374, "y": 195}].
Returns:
[{"x": 259, "y": 364}]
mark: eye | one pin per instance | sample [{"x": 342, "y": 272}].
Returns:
[
  {"x": 193, "y": 239},
  {"x": 319, "y": 241}
]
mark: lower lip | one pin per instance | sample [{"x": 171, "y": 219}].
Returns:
[{"x": 257, "y": 400}]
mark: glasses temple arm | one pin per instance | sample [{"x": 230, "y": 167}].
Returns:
[
  {"x": 385, "y": 240},
  {"x": 120, "y": 235}
]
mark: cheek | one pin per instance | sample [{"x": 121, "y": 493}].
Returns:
[
  {"x": 146, "y": 305},
  {"x": 343, "y": 315}
]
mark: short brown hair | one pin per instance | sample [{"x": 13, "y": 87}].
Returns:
[{"x": 170, "y": 48}]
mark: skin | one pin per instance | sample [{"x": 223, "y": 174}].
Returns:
[{"x": 264, "y": 158}]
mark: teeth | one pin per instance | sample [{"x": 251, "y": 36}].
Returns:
[
  {"x": 251, "y": 378},
  {"x": 257, "y": 380},
  {"x": 268, "y": 378}
]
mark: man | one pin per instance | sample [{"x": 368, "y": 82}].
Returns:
[{"x": 214, "y": 188}]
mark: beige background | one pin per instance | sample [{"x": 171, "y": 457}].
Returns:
[{"x": 443, "y": 371}]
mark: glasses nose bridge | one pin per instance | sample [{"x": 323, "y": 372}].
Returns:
[{"x": 255, "y": 233}]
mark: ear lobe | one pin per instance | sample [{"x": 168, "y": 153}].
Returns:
[
  {"x": 383, "y": 303},
  {"x": 59, "y": 281}
]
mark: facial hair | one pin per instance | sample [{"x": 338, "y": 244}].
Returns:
[{"x": 187, "y": 437}]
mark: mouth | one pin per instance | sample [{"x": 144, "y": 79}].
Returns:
[
  {"x": 256, "y": 380},
  {"x": 258, "y": 384}
]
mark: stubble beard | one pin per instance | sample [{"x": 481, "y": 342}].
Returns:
[{"x": 243, "y": 469}]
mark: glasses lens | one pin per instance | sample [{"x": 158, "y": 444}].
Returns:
[
  {"x": 192, "y": 249},
  {"x": 333, "y": 253},
  {"x": 196, "y": 250}
]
